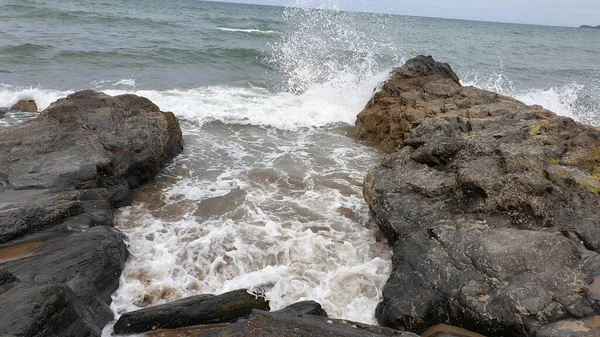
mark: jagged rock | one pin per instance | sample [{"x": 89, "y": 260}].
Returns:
[
  {"x": 491, "y": 207},
  {"x": 61, "y": 175},
  {"x": 195, "y": 310},
  {"x": 25, "y": 105}
]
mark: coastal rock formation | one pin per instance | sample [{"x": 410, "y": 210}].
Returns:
[
  {"x": 491, "y": 207},
  {"x": 587, "y": 26},
  {"x": 195, "y": 310},
  {"x": 25, "y": 105},
  {"x": 303, "y": 319},
  {"x": 61, "y": 175},
  {"x": 275, "y": 324}
]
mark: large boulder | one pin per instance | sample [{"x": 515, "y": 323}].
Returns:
[
  {"x": 90, "y": 140},
  {"x": 61, "y": 176},
  {"x": 491, "y": 207},
  {"x": 25, "y": 105}
]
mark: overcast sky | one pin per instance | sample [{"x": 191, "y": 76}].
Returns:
[{"x": 546, "y": 12}]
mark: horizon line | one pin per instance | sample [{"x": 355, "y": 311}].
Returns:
[{"x": 397, "y": 14}]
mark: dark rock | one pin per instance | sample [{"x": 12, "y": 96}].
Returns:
[
  {"x": 52, "y": 309},
  {"x": 25, "y": 105},
  {"x": 89, "y": 262},
  {"x": 491, "y": 207},
  {"x": 587, "y": 26},
  {"x": 276, "y": 324},
  {"x": 87, "y": 140},
  {"x": 61, "y": 175},
  {"x": 304, "y": 308},
  {"x": 195, "y": 310}
]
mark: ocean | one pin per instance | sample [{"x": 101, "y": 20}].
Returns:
[{"x": 268, "y": 192}]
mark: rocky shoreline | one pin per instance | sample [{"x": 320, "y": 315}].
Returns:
[{"x": 490, "y": 205}]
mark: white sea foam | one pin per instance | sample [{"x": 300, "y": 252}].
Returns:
[
  {"x": 246, "y": 30},
  {"x": 126, "y": 82},
  {"x": 258, "y": 207}
]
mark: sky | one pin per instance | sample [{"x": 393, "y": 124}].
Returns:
[{"x": 544, "y": 12}]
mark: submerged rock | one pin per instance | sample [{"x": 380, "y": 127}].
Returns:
[
  {"x": 491, "y": 207},
  {"x": 25, "y": 105},
  {"x": 195, "y": 310},
  {"x": 61, "y": 175}
]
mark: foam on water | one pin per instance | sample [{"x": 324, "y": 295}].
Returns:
[
  {"x": 246, "y": 30},
  {"x": 126, "y": 82},
  {"x": 253, "y": 207},
  {"x": 321, "y": 105}
]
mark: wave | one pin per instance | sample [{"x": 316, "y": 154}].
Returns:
[
  {"x": 246, "y": 30},
  {"x": 319, "y": 106},
  {"x": 25, "y": 48},
  {"x": 126, "y": 82},
  {"x": 37, "y": 12}
]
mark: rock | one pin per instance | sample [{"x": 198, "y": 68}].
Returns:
[
  {"x": 491, "y": 207},
  {"x": 44, "y": 310},
  {"x": 195, "y": 310},
  {"x": 277, "y": 324},
  {"x": 89, "y": 262},
  {"x": 1, "y": 113},
  {"x": 304, "y": 308},
  {"x": 587, "y": 26},
  {"x": 25, "y": 105},
  {"x": 61, "y": 175},
  {"x": 90, "y": 140}
]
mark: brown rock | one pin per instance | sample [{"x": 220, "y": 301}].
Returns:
[
  {"x": 491, "y": 206},
  {"x": 25, "y": 105}
]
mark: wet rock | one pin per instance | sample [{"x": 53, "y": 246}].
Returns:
[
  {"x": 25, "y": 105},
  {"x": 90, "y": 140},
  {"x": 61, "y": 176},
  {"x": 304, "y": 308},
  {"x": 89, "y": 262},
  {"x": 491, "y": 207},
  {"x": 30, "y": 310},
  {"x": 195, "y": 310},
  {"x": 277, "y": 324}
]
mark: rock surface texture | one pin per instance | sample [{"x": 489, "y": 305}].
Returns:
[
  {"x": 304, "y": 319},
  {"x": 61, "y": 175},
  {"x": 25, "y": 105},
  {"x": 492, "y": 208},
  {"x": 195, "y": 310}
]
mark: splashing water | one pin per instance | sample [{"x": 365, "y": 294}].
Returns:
[{"x": 250, "y": 206}]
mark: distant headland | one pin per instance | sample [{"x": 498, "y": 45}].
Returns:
[{"x": 587, "y": 26}]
